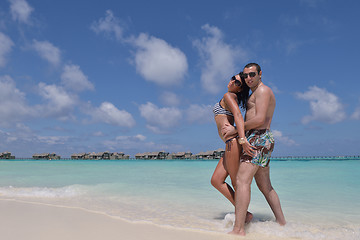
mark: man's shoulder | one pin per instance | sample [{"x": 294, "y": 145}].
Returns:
[
  {"x": 264, "y": 92},
  {"x": 264, "y": 89}
]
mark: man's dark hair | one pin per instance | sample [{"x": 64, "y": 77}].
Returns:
[{"x": 258, "y": 68}]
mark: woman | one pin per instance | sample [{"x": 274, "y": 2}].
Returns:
[{"x": 227, "y": 112}]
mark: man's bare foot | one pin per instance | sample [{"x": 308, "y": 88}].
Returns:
[
  {"x": 282, "y": 223},
  {"x": 249, "y": 217},
  {"x": 237, "y": 232}
]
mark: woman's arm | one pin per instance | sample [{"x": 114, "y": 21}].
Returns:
[{"x": 232, "y": 105}]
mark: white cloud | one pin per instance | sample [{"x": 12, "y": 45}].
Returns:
[
  {"x": 74, "y": 79},
  {"x": 98, "y": 134},
  {"x": 53, "y": 140},
  {"x": 160, "y": 120},
  {"x": 278, "y": 135},
  {"x": 356, "y": 114},
  {"x": 289, "y": 20},
  {"x": 20, "y": 10},
  {"x": 170, "y": 99},
  {"x": 200, "y": 113},
  {"x": 137, "y": 137},
  {"x": 13, "y": 106},
  {"x": 132, "y": 143},
  {"x": 159, "y": 62},
  {"x": 109, "y": 114},
  {"x": 273, "y": 87},
  {"x": 325, "y": 106},
  {"x": 108, "y": 25},
  {"x": 25, "y": 142},
  {"x": 5, "y": 47},
  {"x": 60, "y": 103},
  {"x": 47, "y": 51},
  {"x": 5, "y": 137},
  {"x": 311, "y": 3},
  {"x": 218, "y": 59},
  {"x": 292, "y": 46},
  {"x": 155, "y": 59},
  {"x": 126, "y": 142}
]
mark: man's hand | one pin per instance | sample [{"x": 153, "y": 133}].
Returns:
[
  {"x": 248, "y": 149},
  {"x": 228, "y": 131}
]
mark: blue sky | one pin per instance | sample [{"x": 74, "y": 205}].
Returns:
[{"x": 138, "y": 76}]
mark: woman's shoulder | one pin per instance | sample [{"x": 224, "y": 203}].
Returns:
[{"x": 230, "y": 95}]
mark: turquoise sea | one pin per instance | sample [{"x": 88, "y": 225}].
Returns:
[{"x": 320, "y": 198}]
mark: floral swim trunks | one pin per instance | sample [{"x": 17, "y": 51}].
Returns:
[{"x": 263, "y": 141}]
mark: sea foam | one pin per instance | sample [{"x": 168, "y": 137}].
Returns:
[
  {"x": 295, "y": 230},
  {"x": 41, "y": 192}
]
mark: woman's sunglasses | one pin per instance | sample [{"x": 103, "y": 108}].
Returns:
[
  {"x": 245, "y": 75},
  {"x": 237, "y": 82}
]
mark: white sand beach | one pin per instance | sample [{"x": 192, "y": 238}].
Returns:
[
  {"x": 108, "y": 200},
  {"x": 31, "y": 221},
  {"x": 34, "y": 221}
]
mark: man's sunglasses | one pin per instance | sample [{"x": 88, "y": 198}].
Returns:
[
  {"x": 245, "y": 75},
  {"x": 237, "y": 82}
]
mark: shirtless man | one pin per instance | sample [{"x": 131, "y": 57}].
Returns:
[{"x": 259, "y": 113}]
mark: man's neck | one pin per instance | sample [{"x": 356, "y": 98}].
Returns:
[{"x": 253, "y": 89}]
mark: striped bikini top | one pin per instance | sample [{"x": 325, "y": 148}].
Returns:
[{"x": 218, "y": 109}]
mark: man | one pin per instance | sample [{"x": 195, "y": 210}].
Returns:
[{"x": 259, "y": 113}]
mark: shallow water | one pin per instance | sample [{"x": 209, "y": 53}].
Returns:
[{"x": 320, "y": 199}]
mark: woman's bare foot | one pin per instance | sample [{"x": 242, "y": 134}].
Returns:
[{"x": 249, "y": 217}]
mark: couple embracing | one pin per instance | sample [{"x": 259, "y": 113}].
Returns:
[{"x": 248, "y": 146}]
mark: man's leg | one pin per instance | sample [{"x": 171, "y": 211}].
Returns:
[
  {"x": 242, "y": 195},
  {"x": 231, "y": 163},
  {"x": 262, "y": 178}
]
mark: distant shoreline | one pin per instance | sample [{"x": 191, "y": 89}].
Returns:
[{"x": 288, "y": 158}]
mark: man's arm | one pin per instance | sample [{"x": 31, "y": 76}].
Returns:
[{"x": 228, "y": 131}]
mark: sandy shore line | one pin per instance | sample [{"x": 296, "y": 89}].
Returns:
[{"x": 32, "y": 221}]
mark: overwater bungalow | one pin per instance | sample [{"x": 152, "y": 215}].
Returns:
[
  {"x": 46, "y": 156},
  {"x": 100, "y": 155},
  {"x": 6, "y": 155},
  {"x": 152, "y": 155},
  {"x": 92, "y": 156},
  {"x": 180, "y": 155},
  {"x": 119, "y": 155},
  {"x": 80, "y": 156},
  {"x": 219, "y": 153},
  {"x": 213, "y": 154}
]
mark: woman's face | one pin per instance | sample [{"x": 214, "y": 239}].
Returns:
[{"x": 235, "y": 84}]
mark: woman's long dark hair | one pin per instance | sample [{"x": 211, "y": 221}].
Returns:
[{"x": 243, "y": 95}]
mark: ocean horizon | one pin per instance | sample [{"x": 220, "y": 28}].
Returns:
[
  {"x": 319, "y": 197},
  {"x": 273, "y": 158}
]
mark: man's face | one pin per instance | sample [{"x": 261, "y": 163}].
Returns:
[{"x": 252, "y": 77}]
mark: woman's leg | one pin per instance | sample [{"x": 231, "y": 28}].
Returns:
[
  {"x": 218, "y": 181},
  {"x": 232, "y": 159}
]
